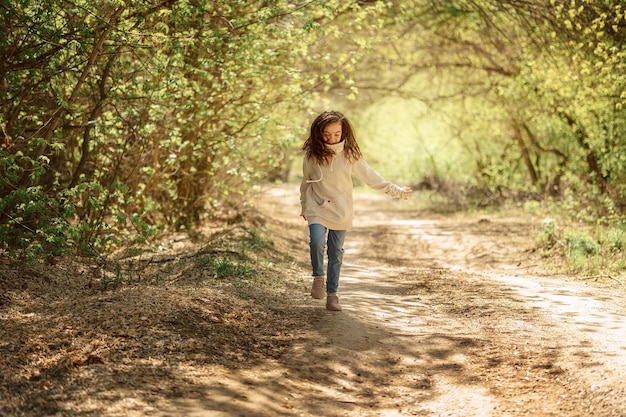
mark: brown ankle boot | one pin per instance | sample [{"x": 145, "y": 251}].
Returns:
[
  {"x": 318, "y": 289},
  {"x": 332, "y": 303}
]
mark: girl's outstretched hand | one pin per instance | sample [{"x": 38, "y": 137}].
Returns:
[{"x": 406, "y": 193}]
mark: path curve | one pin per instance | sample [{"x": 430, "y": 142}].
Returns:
[{"x": 448, "y": 316}]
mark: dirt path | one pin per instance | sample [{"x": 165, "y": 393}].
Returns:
[{"x": 442, "y": 317}]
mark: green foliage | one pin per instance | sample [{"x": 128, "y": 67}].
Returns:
[
  {"x": 549, "y": 236},
  {"x": 405, "y": 141},
  {"x": 123, "y": 120},
  {"x": 532, "y": 95},
  {"x": 580, "y": 243},
  {"x": 224, "y": 266},
  {"x": 255, "y": 241},
  {"x": 234, "y": 260},
  {"x": 585, "y": 252},
  {"x": 564, "y": 109},
  {"x": 614, "y": 240}
]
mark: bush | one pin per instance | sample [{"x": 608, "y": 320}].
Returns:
[{"x": 585, "y": 252}]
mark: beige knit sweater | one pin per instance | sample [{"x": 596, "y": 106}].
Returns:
[{"x": 326, "y": 190}]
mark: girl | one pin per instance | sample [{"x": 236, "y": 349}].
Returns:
[{"x": 332, "y": 155}]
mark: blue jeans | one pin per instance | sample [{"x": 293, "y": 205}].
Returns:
[{"x": 317, "y": 243}]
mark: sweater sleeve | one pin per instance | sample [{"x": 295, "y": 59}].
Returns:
[
  {"x": 374, "y": 180},
  {"x": 304, "y": 185}
]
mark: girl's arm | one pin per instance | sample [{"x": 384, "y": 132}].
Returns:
[
  {"x": 374, "y": 180},
  {"x": 304, "y": 185}
]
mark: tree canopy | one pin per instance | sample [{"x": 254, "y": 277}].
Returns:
[{"x": 123, "y": 119}]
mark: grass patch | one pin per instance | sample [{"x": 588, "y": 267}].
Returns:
[
  {"x": 225, "y": 267},
  {"x": 585, "y": 251}
]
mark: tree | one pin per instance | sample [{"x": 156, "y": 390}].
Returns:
[
  {"x": 538, "y": 86},
  {"x": 123, "y": 118}
]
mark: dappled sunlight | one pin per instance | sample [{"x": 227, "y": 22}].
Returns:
[
  {"x": 385, "y": 354},
  {"x": 372, "y": 287},
  {"x": 242, "y": 392},
  {"x": 430, "y": 328},
  {"x": 434, "y": 323},
  {"x": 577, "y": 309},
  {"x": 467, "y": 401},
  {"x": 154, "y": 255}
]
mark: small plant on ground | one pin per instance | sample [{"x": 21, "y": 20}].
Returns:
[
  {"x": 582, "y": 251},
  {"x": 600, "y": 252}
]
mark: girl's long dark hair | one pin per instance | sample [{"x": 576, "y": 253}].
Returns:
[{"x": 315, "y": 147}]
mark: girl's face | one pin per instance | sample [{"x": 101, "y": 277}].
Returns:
[{"x": 332, "y": 133}]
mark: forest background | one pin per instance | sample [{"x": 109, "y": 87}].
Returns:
[{"x": 125, "y": 120}]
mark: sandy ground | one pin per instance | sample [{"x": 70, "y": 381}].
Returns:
[
  {"x": 455, "y": 316},
  {"x": 443, "y": 316}
]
